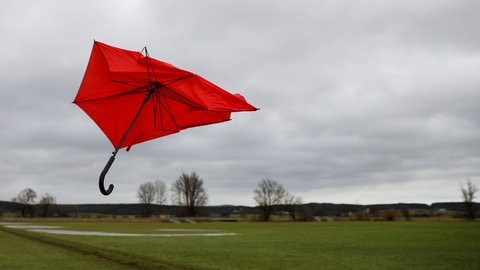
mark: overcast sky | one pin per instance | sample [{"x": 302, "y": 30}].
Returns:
[{"x": 361, "y": 101}]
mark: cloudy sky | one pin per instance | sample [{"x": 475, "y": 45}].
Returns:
[{"x": 361, "y": 101}]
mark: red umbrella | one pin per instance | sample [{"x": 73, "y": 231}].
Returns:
[{"x": 135, "y": 98}]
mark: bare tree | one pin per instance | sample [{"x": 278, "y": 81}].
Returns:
[
  {"x": 406, "y": 213},
  {"x": 160, "y": 192},
  {"x": 468, "y": 194},
  {"x": 292, "y": 205},
  {"x": 26, "y": 198},
  {"x": 45, "y": 203},
  {"x": 268, "y": 195},
  {"x": 146, "y": 196},
  {"x": 188, "y": 191}
]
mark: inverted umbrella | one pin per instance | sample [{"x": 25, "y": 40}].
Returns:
[{"x": 135, "y": 98}]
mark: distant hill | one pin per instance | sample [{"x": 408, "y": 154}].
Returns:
[
  {"x": 318, "y": 209},
  {"x": 9, "y": 206},
  {"x": 452, "y": 206}
]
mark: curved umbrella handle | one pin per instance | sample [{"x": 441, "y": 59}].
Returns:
[{"x": 101, "y": 184}]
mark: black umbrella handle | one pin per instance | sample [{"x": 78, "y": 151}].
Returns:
[{"x": 101, "y": 184}]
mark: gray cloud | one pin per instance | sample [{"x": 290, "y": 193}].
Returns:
[{"x": 360, "y": 101}]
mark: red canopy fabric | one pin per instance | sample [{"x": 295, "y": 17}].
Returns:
[{"x": 117, "y": 81}]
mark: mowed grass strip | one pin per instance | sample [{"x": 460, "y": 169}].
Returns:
[
  {"x": 18, "y": 253},
  {"x": 30, "y": 250},
  {"x": 312, "y": 245}
]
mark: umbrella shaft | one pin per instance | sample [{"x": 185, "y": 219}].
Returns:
[
  {"x": 147, "y": 97},
  {"x": 101, "y": 180}
]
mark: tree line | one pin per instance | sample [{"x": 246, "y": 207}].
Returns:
[
  {"x": 188, "y": 193},
  {"x": 26, "y": 198},
  {"x": 270, "y": 197}
]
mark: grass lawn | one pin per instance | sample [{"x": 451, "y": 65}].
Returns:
[
  {"x": 18, "y": 253},
  {"x": 311, "y": 245}
]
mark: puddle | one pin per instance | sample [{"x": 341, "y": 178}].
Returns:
[
  {"x": 23, "y": 226},
  {"x": 93, "y": 233},
  {"x": 168, "y": 232},
  {"x": 187, "y": 230}
]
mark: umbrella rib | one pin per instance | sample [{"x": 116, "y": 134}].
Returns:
[
  {"x": 158, "y": 97},
  {"x": 147, "y": 57},
  {"x": 143, "y": 88},
  {"x": 170, "y": 93},
  {"x": 130, "y": 92}
]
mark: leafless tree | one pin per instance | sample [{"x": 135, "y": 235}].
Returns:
[
  {"x": 268, "y": 195},
  {"x": 468, "y": 194},
  {"x": 45, "y": 203},
  {"x": 146, "y": 196},
  {"x": 292, "y": 205},
  {"x": 188, "y": 191},
  {"x": 406, "y": 214},
  {"x": 160, "y": 192},
  {"x": 26, "y": 198}
]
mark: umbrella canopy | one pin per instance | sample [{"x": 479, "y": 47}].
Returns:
[{"x": 134, "y": 98}]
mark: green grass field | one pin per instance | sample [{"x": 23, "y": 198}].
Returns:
[{"x": 249, "y": 245}]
